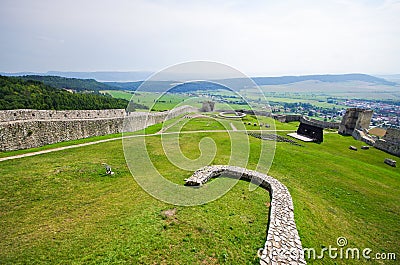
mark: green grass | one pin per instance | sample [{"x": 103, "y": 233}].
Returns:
[{"x": 61, "y": 208}]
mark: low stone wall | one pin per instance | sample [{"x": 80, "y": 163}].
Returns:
[
  {"x": 265, "y": 113},
  {"x": 390, "y": 142},
  {"x": 16, "y": 133},
  {"x": 361, "y": 135},
  {"x": 321, "y": 124},
  {"x": 287, "y": 118},
  {"x": 283, "y": 245}
]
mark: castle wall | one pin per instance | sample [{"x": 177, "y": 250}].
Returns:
[
  {"x": 287, "y": 118},
  {"x": 18, "y": 130},
  {"x": 355, "y": 118},
  {"x": 318, "y": 123},
  {"x": 30, "y": 114},
  {"x": 390, "y": 142}
]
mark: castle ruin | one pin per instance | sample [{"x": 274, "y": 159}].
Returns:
[
  {"x": 208, "y": 106},
  {"x": 355, "y": 119},
  {"x": 390, "y": 142},
  {"x": 23, "y": 129}
]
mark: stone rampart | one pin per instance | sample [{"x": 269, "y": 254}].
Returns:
[
  {"x": 390, "y": 142},
  {"x": 321, "y": 124},
  {"x": 19, "y": 129},
  {"x": 283, "y": 245},
  {"x": 287, "y": 117},
  {"x": 31, "y": 114}
]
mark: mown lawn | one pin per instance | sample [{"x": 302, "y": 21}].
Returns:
[{"x": 61, "y": 207}]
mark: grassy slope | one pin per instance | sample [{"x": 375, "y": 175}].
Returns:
[{"x": 61, "y": 207}]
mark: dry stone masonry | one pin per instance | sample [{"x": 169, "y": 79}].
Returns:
[
  {"x": 22, "y": 129},
  {"x": 283, "y": 245},
  {"x": 390, "y": 142},
  {"x": 355, "y": 119}
]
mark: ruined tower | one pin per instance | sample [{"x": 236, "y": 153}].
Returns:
[
  {"x": 208, "y": 106},
  {"x": 355, "y": 119}
]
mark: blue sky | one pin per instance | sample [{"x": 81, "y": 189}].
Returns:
[{"x": 256, "y": 37}]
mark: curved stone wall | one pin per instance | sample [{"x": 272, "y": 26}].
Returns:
[
  {"x": 283, "y": 245},
  {"x": 237, "y": 115},
  {"x": 22, "y": 129}
]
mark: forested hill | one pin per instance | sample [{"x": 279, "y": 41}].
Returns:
[
  {"x": 69, "y": 83},
  {"x": 16, "y": 93}
]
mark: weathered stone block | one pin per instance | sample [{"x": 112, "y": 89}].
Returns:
[{"x": 390, "y": 162}]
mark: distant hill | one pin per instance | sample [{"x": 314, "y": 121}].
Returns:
[
  {"x": 323, "y": 78},
  {"x": 110, "y": 76},
  {"x": 16, "y": 93},
  {"x": 392, "y": 78},
  {"x": 79, "y": 84},
  {"x": 240, "y": 83},
  {"x": 69, "y": 83}
]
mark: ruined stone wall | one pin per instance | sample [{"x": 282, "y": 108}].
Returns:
[
  {"x": 30, "y": 114},
  {"x": 321, "y": 124},
  {"x": 390, "y": 142},
  {"x": 18, "y": 132},
  {"x": 287, "y": 118},
  {"x": 355, "y": 118},
  {"x": 208, "y": 106},
  {"x": 265, "y": 113},
  {"x": 364, "y": 119}
]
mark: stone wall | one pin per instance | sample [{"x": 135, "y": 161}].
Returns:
[
  {"x": 287, "y": 118},
  {"x": 283, "y": 245},
  {"x": 390, "y": 142},
  {"x": 265, "y": 113},
  {"x": 321, "y": 124},
  {"x": 361, "y": 135},
  {"x": 355, "y": 118},
  {"x": 20, "y": 129},
  {"x": 30, "y": 114}
]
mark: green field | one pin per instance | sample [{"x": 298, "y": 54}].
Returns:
[
  {"x": 160, "y": 102},
  {"x": 155, "y": 101},
  {"x": 61, "y": 207}
]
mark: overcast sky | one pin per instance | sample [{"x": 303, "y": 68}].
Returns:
[{"x": 257, "y": 37}]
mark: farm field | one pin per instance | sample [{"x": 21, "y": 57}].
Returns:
[
  {"x": 61, "y": 207},
  {"x": 155, "y": 101}
]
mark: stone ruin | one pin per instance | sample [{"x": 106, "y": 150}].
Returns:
[
  {"x": 390, "y": 162},
  {"x": 208, "y": 106},
  {"x": 22, "y": 129},
  {"x": 286, "y": 117},
  {"x": 356, "y": 123},
  {"x": 283, "y": 245},
  {"x": 355, "y": 119},
  {"x": 390, "y": 142}
]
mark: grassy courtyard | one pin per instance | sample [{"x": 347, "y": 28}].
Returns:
[{"x": 61, "y": 207}]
